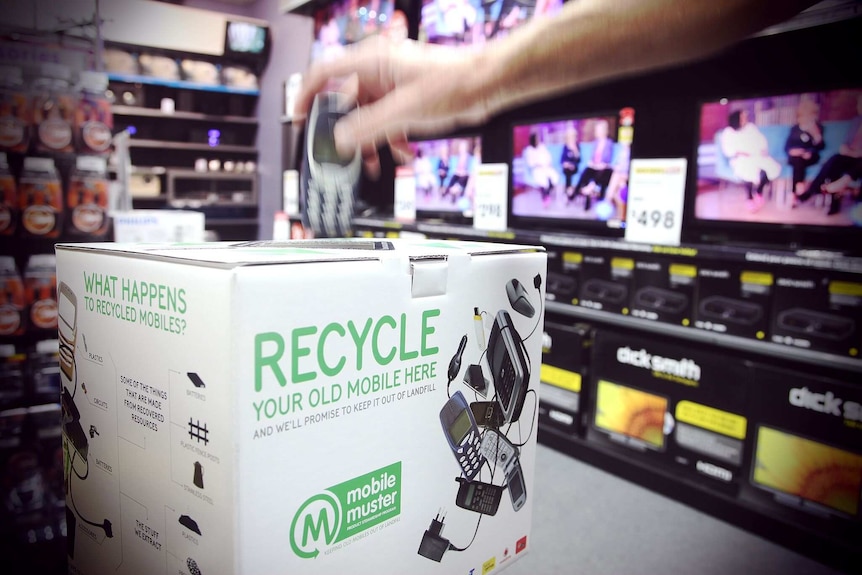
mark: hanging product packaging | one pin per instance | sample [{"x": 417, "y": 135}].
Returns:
[
  {"x": 40, "y": 287},
  {"x": 87, "y": 197},
  {"x": 94, "y": 121},
  {"x": 8, "y": 199},
  {"x": 40, "y": 198},
  {"x": 14, "y": 111},
  {"x": 53, "y": 110},
  {"x": 11, "y": 298}
]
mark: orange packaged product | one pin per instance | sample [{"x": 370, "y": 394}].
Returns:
[
  {"x": 40, "y": 288},
  {"x": 11, "y": 298},
  {"x": 14, "y": 111},
  {"x": 94, "y": 120},
  {"x": 40, "y": 198},
  {"x": 8, "y": 199},
  {"x": 87, "y": 198},
  {"x": 53, "y": 110}
]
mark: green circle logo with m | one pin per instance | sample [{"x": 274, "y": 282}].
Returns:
[{"x": 315, "y": 525}]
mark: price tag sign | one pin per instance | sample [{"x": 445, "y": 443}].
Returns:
[
  {"x": 405, "y": 194},
  {"x": 655, "y": 201},
  {"x": 491, "y": 200},
  {"x": 290, "y": 192}
]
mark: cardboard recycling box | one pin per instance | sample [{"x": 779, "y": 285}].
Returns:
[{"x": 299, "y": 407}]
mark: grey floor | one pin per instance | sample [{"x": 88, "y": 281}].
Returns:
[{"x": 609, "y": 525}]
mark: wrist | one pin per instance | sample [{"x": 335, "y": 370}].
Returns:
[{"x": 487, "y": 81}]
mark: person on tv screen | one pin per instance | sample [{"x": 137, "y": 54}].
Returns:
[
  {"x": 841, "y": 169},
  {"x": 804, "y": 143},
  {"x": 747, "y": 151},
  {"x": 595, "y": 178},
  {"x": 424, "y": 173},
  {"x": 461, "y": 173},
  {"x": 456, "y": 19},
  {"x": 570, "y": 158},
  {"x": 419, "y": 89},
  {"x": 618, "y": 185},
  {"x": 541, "y": 166},
  {"x": 443, "y": 163}
]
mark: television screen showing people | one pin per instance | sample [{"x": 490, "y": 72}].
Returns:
[
  {"x": 793, "y": 159},
  {"x": 473, "y": 22},
  {"x": 575, "y": 169},
  {"x": 341, "y": 22},
  {"x": 445, "y": 174}
]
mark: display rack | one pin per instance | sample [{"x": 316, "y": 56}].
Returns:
[{"x": 206, "y": 122}]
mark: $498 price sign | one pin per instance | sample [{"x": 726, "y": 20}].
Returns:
[
  {"x": 653, "y": 218},
  {"x": 655, "y": 201}
]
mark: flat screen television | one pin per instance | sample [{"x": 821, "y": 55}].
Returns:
[
  {"x": 572, "y": 172},
  {"x": 246, "y": 41},
  {"x": 779, "y": 168},
  {"x": 813, "y": 472},
  {"x": 472, "y": 22},
  {"x": 338, "y": 23},
  {"x": 445, "y": 175},
  {"x": 627, "y": 411}
]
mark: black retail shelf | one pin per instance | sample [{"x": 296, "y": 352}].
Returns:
[
  {"x": 140, "y": 112},
  {"x": 782, "y": 352},
  {"x": 191, "y": 146},
  {"x": 181, "y": 84}
]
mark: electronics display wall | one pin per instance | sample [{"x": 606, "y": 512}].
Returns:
[{"x": 667, "y": 109}]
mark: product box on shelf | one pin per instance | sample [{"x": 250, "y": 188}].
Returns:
[
  {"x": 305, "y": 406},
  {"x": 806, "y": 449},
  {"x": 734, "y": 298},
  {"x": 664, "y": 289},
  {"x": 818, "y": 310},
  {"x": 154, "y": 226},
  {"x": 564, "y": 274},
  {"x": 606, "y": 280},
  {"x": 680, "y": 409},
  {"x": 566, "y": 348}
]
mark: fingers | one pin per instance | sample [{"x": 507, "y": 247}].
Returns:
[
  {"x": 364, "y": 60},
  {"x": 381, "y": 122}
]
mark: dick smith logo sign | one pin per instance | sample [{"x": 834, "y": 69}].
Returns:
[{"x": 346, "y": 510}]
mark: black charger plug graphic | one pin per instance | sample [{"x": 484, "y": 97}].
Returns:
[{"x": 433, "y": 544}]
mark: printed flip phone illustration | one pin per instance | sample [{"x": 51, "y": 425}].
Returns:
[
  {"x": 498, "y": 450},
  {"x": 509, "y": 366},
  {"x": 463, "y": 434},
  {"x": 517, "y": 486},
  {"x": 478, "y": 496},
  {"x": 328, "y": 183}
]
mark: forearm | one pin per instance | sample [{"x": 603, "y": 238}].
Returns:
[{"x": 590, "y": 41}]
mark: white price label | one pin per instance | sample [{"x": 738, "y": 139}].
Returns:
[
  {"x": 405, "y": 194},
  {"x": 491, "y": 201},
  {"x": 656, "y": 200},
  {"x": 290, "y": 192}
]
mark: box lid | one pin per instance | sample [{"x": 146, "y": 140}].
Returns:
[{"x": 233, "y": 254}]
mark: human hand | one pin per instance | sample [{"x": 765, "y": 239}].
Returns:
[{"x": 403, "y": 90}]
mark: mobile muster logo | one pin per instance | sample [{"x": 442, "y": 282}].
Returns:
[{"x": 345, "y": 510}]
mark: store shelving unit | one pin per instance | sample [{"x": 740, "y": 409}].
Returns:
[{"x": 209, "y": 122}]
